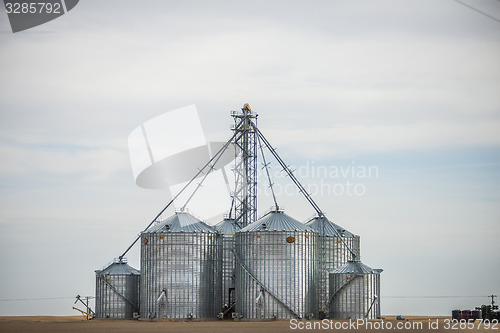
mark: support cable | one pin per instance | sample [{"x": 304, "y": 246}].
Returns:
[
  {"x": 266, "y": 166},
  {"x": 477, "y": 10},
  {"x": 290, "y": 173},
  {"x": 301, "y": 188},
  {"x": 224, "y": 147},
  {"x": 211, "y": 168},
  {"x": 232, "y": 205}
]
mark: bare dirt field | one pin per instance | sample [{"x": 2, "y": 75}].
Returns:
[{"x": 388, "y": 323}]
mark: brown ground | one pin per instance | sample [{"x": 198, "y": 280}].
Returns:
[{"x": 77, "y": 324}]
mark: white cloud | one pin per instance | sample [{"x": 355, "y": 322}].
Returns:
[
  {"x": 38, "y": 162},
  {"x": 349, "y": 139}
]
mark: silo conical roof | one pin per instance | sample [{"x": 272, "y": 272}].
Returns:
[
  {"x": 276, "y": 221},
  {"x": 327, "y": 228},
  {"x": 119, "y": 268},
  {"x": 356, "y": 267},
  {"x": 181, "y": 222},
  {"x": 227, "y": 227}
]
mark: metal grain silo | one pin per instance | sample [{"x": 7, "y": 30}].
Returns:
[
  {"x": 117, "y": 291},
  {"x": 227, "y": 228},
  {"x": 355, "y": 292},
  {"x": 276, "y": 268},
  {"x": 181, "y": 265},
  {"x": 333, "y": 253}
]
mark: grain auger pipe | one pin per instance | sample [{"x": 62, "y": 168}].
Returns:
[
  {"x": 209, "y": 164},
  {"x": 300, "y": 187},
  {"x": 211, "y": 168}
]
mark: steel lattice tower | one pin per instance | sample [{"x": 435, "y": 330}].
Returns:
[{"x": 245, "y": 192}]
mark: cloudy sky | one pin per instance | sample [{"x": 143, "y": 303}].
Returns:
[{"x": 410, "y": 88}]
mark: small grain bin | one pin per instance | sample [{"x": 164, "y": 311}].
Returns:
[
  {"x": 117, "y": 291},
  {"x": 355, "y": 292}
]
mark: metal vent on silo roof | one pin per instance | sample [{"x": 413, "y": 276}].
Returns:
[
  {"x": 119, "y": 268},
  {"x": 227, "y": 227},
  {"x": 181, "y": 222},
  {"x": 276, "y": 221},
  {"x": 327, "y": 228},
  {"x": 356, "y": 267}
]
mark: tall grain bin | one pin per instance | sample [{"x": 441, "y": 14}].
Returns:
[
  {"x": 117, "y": 291},
  {"x": 355, "y": 292},
  {"x": 227, "y": 228},
  {"x": 181, "y": 265},
  {"x": 276, "y": 268},
  {"x": 333, "y": 253}
]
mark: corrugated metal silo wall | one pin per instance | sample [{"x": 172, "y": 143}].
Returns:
[
  {"x": 289, "y": 271},
  {"x": 227, "y": 268},
  {"x": 353, "y": 296},
  {"x": 187, "y": 266},
  {"x": 333, "y": 254},
  {"x": 117, "y": 296}
]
